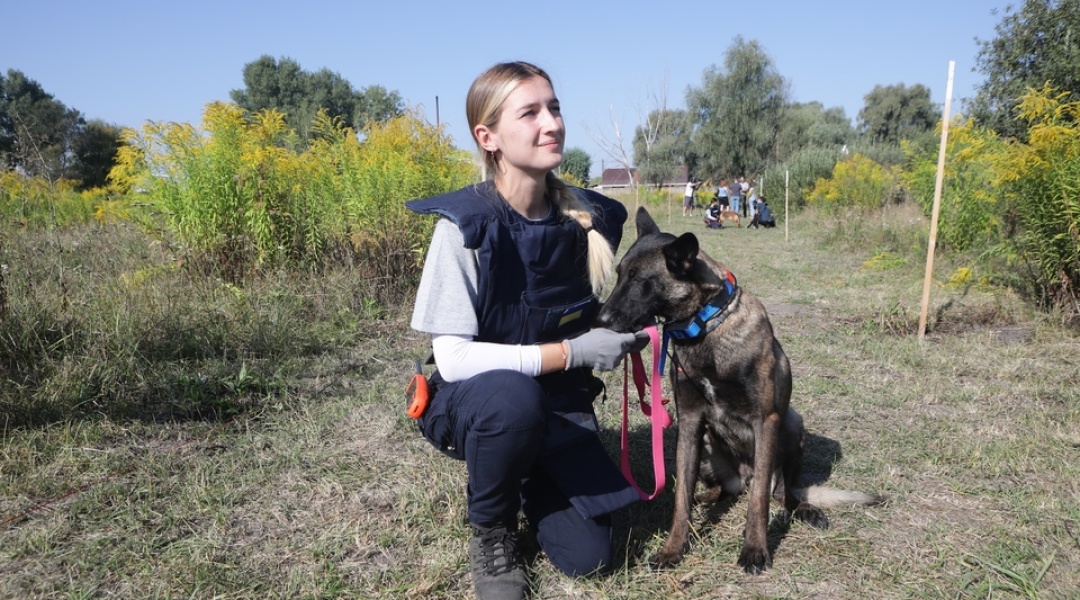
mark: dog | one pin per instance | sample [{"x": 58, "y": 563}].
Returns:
[
  {"x": 730, "y": 215},
  {"x": 732, "y": 384}
]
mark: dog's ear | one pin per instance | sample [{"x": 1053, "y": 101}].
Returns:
[
  {"x": 645, "y": 223},
  {"x": 681, "y": 254}
]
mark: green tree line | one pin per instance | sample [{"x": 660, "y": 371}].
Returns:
[
  {"x": 42, "y": 137},
  {"x": 741, "y": 121},
  {"x": 299, "y": 95}
]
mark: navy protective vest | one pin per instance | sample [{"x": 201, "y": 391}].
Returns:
[
  {"x": 533, "y": 287},
  {"x": 533, "y": 278}
]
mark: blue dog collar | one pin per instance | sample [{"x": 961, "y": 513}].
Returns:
[{"x": 707, "y": 319}]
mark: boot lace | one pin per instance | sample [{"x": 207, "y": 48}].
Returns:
[{"x": 497, "y": 550}]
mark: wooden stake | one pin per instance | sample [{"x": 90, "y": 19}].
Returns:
[
  {"x": 787, "y": 207},
  {"x": 937, "y": 204}
]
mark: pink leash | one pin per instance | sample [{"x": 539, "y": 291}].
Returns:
[{"x": 656, "y": 413}]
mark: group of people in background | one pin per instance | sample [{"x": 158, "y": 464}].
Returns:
[{"x": 739, "y": 197}]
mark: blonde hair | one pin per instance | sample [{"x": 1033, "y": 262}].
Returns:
[{"x": 483, "y": 106}]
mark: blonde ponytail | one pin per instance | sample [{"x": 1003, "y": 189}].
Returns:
[{"x": 601, "y": 258}]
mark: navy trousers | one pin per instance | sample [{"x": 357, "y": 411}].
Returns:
[{"x": 496, "y": 423}]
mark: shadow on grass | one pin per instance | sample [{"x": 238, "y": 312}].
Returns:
[{"x": 638, "y": 526}]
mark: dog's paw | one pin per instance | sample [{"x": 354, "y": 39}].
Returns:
[
  {"x": 754, "y": 560},
  {"x": 710, "y": 495},
  {"x": 666, "y": 559},
  {"x": 811, "y": 515}
]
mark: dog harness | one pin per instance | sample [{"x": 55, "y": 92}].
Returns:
[
  {"x": 708, "y": 318},
  {"x": 705, "y": 321}
]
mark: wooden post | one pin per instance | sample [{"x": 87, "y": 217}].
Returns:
[
  {"x": 787, "y": 204},
  {"x": 937, "y": 204}
]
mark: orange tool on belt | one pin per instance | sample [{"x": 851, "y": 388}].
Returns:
[{"x": 417, "y": 393}]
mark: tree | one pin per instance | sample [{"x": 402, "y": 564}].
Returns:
[
  {"x": 374, "y": 104},
  {"x": 896, "y": 112},
  {"x": 39, "y": 131},
  {"x": 661, "y": 145},
  {"x": 7, "y": 127},
  {"x": 328, "y": 91},
  {"x": 1035, "y": 45},
  {"x": 95, "y": 151},
  {"x": 283, "y": 85},
  {"x": 577, "y": 164},
  {"x": 737, "y": 113},
  {"x": 268, "y": 84},
  {"x": 811, "y": 125},
  {"x": 614, "y": 145}
]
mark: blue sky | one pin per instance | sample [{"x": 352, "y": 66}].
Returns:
[{"x": 127, "y": 62}]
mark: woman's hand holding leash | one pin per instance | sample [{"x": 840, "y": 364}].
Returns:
[{"x": 602, "y": 349}]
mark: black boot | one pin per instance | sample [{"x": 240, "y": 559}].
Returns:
[{"x": 496, "y": 566}]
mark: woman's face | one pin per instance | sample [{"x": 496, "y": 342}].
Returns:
[{"x": 530, "y": 133}]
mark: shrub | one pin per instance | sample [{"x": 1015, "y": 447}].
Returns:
[
  {"x": 889, "y": 155},
  {"x": 802, "y": 171},
  {"x": 34, "y": 202},
  {"x": 971, "y": 207},
  {"x": 855, "y": 182},
  {"x": 1041, "y": 179},
  {"x": 239, "y": 196},
  {"x": 1017, "y": 202},
  {"x": 399, "y": 160}
]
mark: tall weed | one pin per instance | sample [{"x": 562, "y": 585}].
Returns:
[
  {"x": 1014, "y": 205},
  {"x": 240, "y": 197},
  {"x": 796, "y": 177},
  {"x": 126, "y": 330},
  {"x": 1042, "y": 181},
  {"x": 259, "y": 257},
  {"x": 369, "y": 182},
  {"x": 35, "y": 202},
  {"x": 972, "y": 208},
  {"x": 857, "y": 182}
]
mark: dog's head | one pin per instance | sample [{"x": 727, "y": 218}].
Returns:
[{"x": 661, "y": 276}]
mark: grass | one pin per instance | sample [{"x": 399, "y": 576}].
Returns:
[{"x": 259, "y": 449}]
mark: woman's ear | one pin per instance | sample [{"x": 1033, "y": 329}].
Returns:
[{"x": 485, "y": 137}]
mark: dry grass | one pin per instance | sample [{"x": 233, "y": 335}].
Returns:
[{"x": 972, "y": 434}]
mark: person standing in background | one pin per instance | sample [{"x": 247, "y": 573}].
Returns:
[
  {"x": 735, "y": 191},
  {"x": 744, "y": 191},
  {"x": 688, "y": 198},
  {"x": 722, "y": 194},
  {"x": 751, "y": 198}
]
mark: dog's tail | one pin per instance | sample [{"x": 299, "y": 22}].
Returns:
[{"x": 826, "y": 497}]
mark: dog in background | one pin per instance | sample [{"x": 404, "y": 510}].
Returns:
[
  {"x": 730, "y": 216},
  {"x": 732, "y": 384}
]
